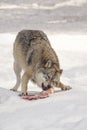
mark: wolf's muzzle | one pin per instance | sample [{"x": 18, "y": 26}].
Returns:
[{"x": 45, "y": 87}]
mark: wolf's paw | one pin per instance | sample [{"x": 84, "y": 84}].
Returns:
[
  {"x": 64, "y": 88},
  {"x": 12, "y": 89},
  {"x": 23, "y": 94}
]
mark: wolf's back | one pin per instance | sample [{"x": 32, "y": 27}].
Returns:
[{"x": 26, "y": 36}]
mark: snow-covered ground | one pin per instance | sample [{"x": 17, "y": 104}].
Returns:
[
  {"x": 62, "y": 111},
  {"x": 65, "y": 22}
]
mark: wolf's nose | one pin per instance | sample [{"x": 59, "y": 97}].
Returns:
[{"x": 45, "y": 87}]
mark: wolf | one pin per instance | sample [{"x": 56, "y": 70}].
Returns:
[{"x": 34, "y": 55}]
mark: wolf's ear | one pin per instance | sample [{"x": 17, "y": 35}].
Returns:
[{"x": 48, "y": 64}]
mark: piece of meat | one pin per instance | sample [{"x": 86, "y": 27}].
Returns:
[{"x": 41, "y": 95}]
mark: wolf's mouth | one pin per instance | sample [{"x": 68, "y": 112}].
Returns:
[{"x": 45, "y": 87}]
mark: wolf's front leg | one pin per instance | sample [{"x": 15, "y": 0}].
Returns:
[
  {"x": 64, "y": 87},
  {"x": 24, "y": 82}
]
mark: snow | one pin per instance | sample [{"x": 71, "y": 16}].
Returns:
[{"x": 65, "y": 23}]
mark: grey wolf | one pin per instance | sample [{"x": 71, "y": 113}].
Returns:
[{"x": 34, "y": 55}]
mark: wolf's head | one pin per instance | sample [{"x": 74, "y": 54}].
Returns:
[{"x": 49, "y": 75}]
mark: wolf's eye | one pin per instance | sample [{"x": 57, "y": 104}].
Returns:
[
  {"x": 50, "y": 76},
  {"x": 46, "y": 77}
]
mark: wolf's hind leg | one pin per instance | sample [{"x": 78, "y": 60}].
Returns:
[{"x": 17, "y": 70}]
